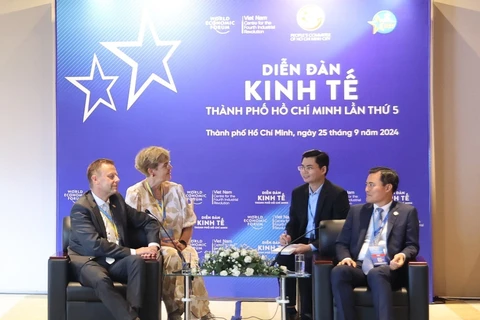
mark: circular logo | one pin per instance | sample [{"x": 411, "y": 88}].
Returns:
[
  {"x": 310, "y": 17},
  {"x": 383, "y": 22}
]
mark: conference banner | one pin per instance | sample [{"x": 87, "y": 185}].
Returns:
[{"x": 237, "y": 91}]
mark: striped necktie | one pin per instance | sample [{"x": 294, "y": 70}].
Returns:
[{"x": 367, "y": 263}]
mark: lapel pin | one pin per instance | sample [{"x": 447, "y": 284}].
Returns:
[{"x": 395, "y": 213}]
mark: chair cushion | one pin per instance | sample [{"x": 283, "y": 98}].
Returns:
[
  {"x": 363, "y": 297},
  {"x": 77, "y": 292}
]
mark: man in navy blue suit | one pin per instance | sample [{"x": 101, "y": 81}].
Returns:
[
  {"x": 317, "y": 199},
  {"x": 374, "y": 246}
]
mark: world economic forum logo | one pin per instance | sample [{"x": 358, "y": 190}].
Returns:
[
  {"x": 310, "y": 17},
  {"x": 383, "y": 22}
]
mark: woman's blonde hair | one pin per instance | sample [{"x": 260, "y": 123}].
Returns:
[{"x": 150, "y": 158}]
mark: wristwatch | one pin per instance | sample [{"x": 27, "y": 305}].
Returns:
[{"x": 183, "y": 242}]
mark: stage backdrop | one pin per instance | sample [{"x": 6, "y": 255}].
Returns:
[{"x": 237, "y": 91}]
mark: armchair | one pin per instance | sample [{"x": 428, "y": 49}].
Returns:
[
  {"x": 69, "y": 300},
  {"x": 410, "y": 302}
]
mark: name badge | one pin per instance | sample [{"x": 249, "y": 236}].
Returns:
[{"x": 378, "y": 255}]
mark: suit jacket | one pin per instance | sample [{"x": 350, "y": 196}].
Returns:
[
  {"x": 332, "y": 204},
  {"x": 88, "y": 237},
  {"x": 402, "y": 231}
]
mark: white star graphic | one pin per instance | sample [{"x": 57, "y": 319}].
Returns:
[
  {"x": 114, "y": 48},
  {"x": 74, "y": 80}
]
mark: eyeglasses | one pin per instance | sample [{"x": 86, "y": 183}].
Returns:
[
  {"x": 307, "y": 168},
  {"x": 165, "y": 164}
]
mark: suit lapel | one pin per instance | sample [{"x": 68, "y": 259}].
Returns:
[
  {"x": 321, "y": 201},
  {"x": 365, "y": 216},
  {"x": 117, "y": 216},
  {"x": 97, "y": 217},
  {"x": 304, "y": 208},
  {"x": 392, "y": 217}
]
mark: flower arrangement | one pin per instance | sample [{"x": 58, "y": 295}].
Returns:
[{"x": 238, "y": 261}]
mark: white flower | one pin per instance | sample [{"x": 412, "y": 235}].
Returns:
[
  {"x": 228, "y": 251},
  {"x": 235, "y": 255},
  {"x": 248, "y": 259},
  {"x": 204, "y": 272},
  {"x": 264, "y": 258},
  {"x": 235, "y": 272},
  {"x": 284, "y": 268},
  {"x": 249, "y": 272},
  {"x": 223, "y": 273},
  {"x": 207, "y": 256},
  {"x": 222, "y": 254},
  {"x": 243, "y": 252}
]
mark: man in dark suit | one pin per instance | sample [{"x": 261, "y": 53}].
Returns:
[
  {"x": 318, "y": 199},
  {"x": 377, "y": 240},
  {"x": 99, "y": 246}
]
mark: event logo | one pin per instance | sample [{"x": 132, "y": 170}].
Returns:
[
  {"x": 279, "y": 222},
  {"x": 109, "y": 81},
  {"x": 73, "y": 195},
  {"x": 255, "y": 221},
  {"x": 221, "y": 24},
  {"x": 267, "y": 247},
  {"x": 196, "y": 196},
  {"x": 402, "y": 196},
  {"x": 271, "y": 197},
  {"x": 310, "y": 17},
  {"x": 353, "y": 198},
  {"x": 383, "y": 22},
  {"x": 149, "y": 53},
  {"x": 223, "y": 197},
  {"x": 221, "y": 243},
  {"x": 211, "y": 223},
  {"x": 256, "y": 24},
  {"x": 198, "y": 244}
]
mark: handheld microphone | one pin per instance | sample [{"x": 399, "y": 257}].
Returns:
[
  {"x": 185, "y": 264},
  {"x": 294, "y": 240}
]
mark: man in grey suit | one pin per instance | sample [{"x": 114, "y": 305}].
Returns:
[
  {"x": 99, "y": 246},
  {"x": 377, "y": 240}
]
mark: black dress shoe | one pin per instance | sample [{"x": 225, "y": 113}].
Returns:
[
  {"x": 306, "y": 316},
  {"x": 292, "y": 314}
]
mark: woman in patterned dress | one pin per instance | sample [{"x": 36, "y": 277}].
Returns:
[{"x": 168, "y": 202}]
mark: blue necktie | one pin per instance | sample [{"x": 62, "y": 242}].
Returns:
[{"x": 367, "y": 263}]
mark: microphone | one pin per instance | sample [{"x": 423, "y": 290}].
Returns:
[
  {"x": 185, "y": 264},
  {"x": 294, "y": 240}
]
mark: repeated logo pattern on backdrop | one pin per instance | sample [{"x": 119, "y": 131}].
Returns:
[{"x": 237, "y": 91}]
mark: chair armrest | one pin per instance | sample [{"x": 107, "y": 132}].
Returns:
[
  {"x": 59, "y": 256},
  {"x": 57, "y": 286},
  {"x": 418, "y": 289},
  {"x": 322, "y": 289},
  {"x": 322, "y": 260},
  {"x": 418, "y": 261},
  {"x": 151, "y": 309}
]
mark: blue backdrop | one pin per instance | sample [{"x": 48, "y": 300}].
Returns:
[{"x": 237, "y": 91}]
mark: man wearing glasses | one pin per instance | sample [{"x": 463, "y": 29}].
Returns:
[{"x": 318, "y": 199}]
